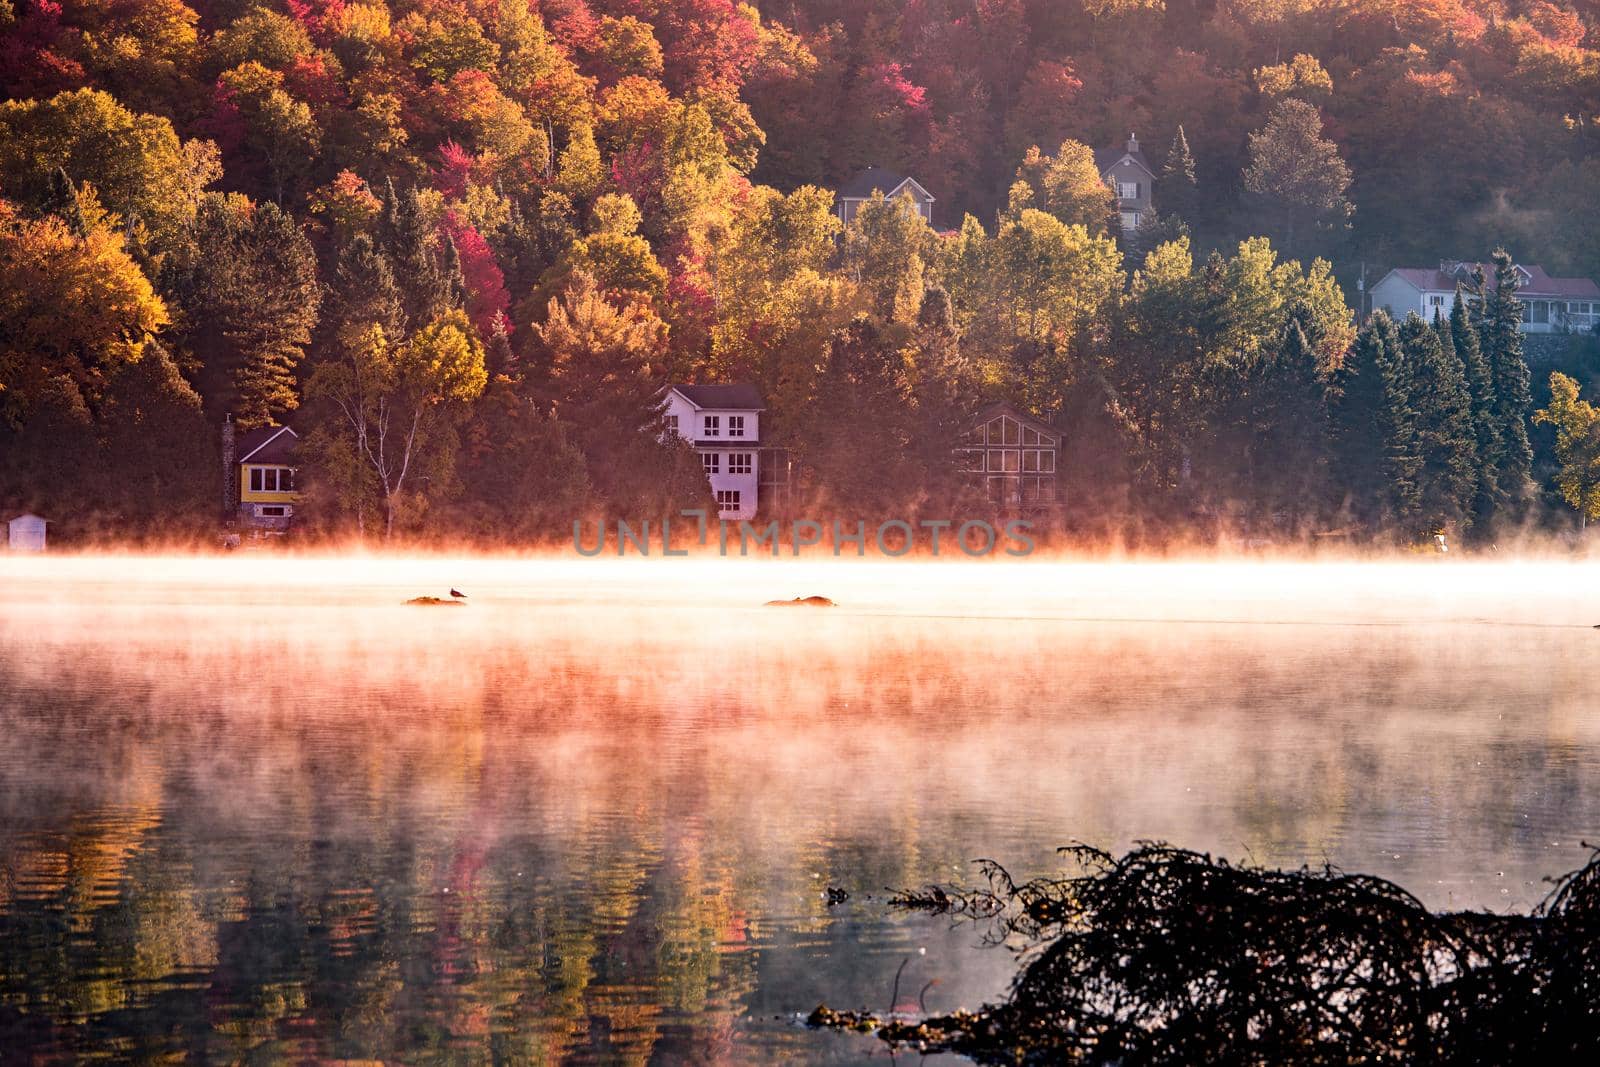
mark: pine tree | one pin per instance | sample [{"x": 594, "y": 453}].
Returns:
[
  {"x": 62, "y": 202},
  {"x": 1486, "y": 434},
  {"x": 364, "y": 292},
  {"x": 427, "y": 287},
  {"x": 1286, "y": 445},
  {"x": 1444, "y": 436},
  {"x": 1374, "y": 427},
  {"x": 1177, "y": 182},
  {"x": 1500, "y": 331}
]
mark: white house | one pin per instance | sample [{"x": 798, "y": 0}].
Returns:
[
  {"x": 26, "y": 533},
  {"x": 858, "y": 190},
  {"x": 723, "y": 422},
  {"x": 1549, "y": 305}
]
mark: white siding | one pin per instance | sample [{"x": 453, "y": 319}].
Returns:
[
  {"x": 692, "y": 427},
  {"x": 26, "y": 533}
]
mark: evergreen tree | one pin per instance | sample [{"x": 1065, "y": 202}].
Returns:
[
  {"x": 61, "y": 200},
  {"x": 1446, "y": 444},
  {"x": 364, "y": 292},
  {"x": 1500, "y": 333},
  {"x": 1176, "y": 186},
  {"x": 1486, "y": 433},
  {"x": 1285, "y": 443},
  {"x": 421, "y": 269},
  {"x": 1374, "y": 436}
]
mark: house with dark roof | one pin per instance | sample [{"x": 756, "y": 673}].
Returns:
[
  {"x": 859, "y": 189},
  {"x": 1549, "y": 305},
  {"x": 266, "y": 479},
  {"x": 723, "y": 423},
  {"x": 1131, "y": 178},
  {"x": 1011, "y": 456}
]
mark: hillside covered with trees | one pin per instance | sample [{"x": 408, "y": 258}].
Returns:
[{"x": 461, "y": 244}]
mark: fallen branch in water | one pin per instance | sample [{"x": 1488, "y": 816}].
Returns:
[{"x": 1170, "y": 956}]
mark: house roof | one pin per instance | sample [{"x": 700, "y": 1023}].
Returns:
[
  {"x": 269, "y": 444},
  {"x": 877, "y": 180},
  {"x": 1106, "y": 158},
  {"x": 1538, "y": 283},
  {"x": 740, "y": 397},
  {"x": 1001, "y": 407}
]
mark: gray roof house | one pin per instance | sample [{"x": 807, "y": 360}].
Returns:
[
  {"x": 1549, "y": 305},
  {"x": 859, "y": 189},
  {"x": 1130, "y": 176}
]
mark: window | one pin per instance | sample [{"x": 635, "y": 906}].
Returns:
[
  {"x": 255, "y": 479},
  {"x": 272, "y": 511},
  {"x": 735, "y": 425},
  {"x": 713, "y": 425},
  {"x": 738, "y": 462},
  {"x": 972, "y": 460},
  {"x": 1030, "y": 461},
  {"x": 1130, "y": 221},
  {"x": 728, "y": 499},
  {"x": 1012, "y": 457},
  {"x": 672, "y": 425},
  {"x": 712, "y": 462},
  {"x": 1127, "y": 190},
  {"x": 1541, "y": 311},
  {"x": 1013, "y": 432},
  {"x": 1435, "y": 300},
  {"x": 1047, "y": 461}
]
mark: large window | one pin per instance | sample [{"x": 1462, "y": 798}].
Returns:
[
  {"x": 272, "y": 479},
  {"x": 1128, "y": 190},
  {"x": 728, "y": 499},
  {"x": 735, "y": 425},
  {"x": 712, "y": 462},
  {"x": 713, "y": 425},
  {"x": 672, "y": 425},
  {"x": 739, "y": 463}
]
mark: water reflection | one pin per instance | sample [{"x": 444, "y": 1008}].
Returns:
[{"x": 271, "y": 814}]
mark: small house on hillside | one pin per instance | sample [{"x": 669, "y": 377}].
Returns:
[
  {"x": 1131, "y": 179},
  {"x": 1012, "y": 455},
  {"x": 1549, "y": 305},
  {"x": 859, "y": 189},
  {"x": 723, "y": 423},
  {"x": 26, "y": 533},
  {"x": 266, "y": 479}
]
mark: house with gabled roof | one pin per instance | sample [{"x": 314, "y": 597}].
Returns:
[
  {"x": 723, "y": 423},
  {"x": 1132, "y": 181},
  {"x": 266, "y": 478},
  {"x": 1549, "y": 304},
  {"x": 1012, "y": 456},
  {"x": 860, "y": 189}
]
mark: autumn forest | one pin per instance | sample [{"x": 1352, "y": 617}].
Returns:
[{"x": 461, "y": 245}]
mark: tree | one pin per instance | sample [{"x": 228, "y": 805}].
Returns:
[
  {"x": 1577, "y": 424},
  {"x": 248, "y": 304},
  {"x": 1068, "y": 185},
  {"x": 1445, "y": 441},
  {"x": 1177, "y": 189},
  {"x": 1489, "y": 447},
  {"x": 1499, "y": 315},
  {"x": 394, "y": 399},
  {"x": 1297, "y": 174},
  {"x": 137, "y": 165},
  {"x": 1376, "y": 463},
  {"x": 886, "y": 248},
  {"x": 72, "y": 308}
]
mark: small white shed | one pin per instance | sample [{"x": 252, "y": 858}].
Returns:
[{"x": 27, "y": 533}]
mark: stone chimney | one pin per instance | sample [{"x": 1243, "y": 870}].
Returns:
[{"x": 230, "y": 480}]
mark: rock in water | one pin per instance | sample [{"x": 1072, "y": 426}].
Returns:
[
  {"x": 434, "y": 602},
  {"x": 802, "y": 602}
]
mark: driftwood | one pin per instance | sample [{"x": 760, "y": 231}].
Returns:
[{"x": 1167, "y": 956}]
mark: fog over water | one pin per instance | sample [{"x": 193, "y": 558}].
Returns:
[{"x": 254, "y": 804}]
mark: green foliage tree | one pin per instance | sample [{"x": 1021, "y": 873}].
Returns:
[
  {"x": 248, "y": 304},
  {"x": 1297, "y": 174},
  {"x": 1499, "y": 315},
  {"x": 1445, "y": 441},
  {"x": 886, "y": 250},
  {"x": 1577, "y": 424},
  {"x": 1068, "y": 185},
  {"x": 1177, "y": 190}
]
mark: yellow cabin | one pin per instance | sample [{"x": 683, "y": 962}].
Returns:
[{"x": 267, "y": 493}]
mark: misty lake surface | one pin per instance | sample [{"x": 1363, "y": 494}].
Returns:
[{"x": 253, "y": 809}]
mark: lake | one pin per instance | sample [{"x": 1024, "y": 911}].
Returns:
[{"x": 254, "y": 808}]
